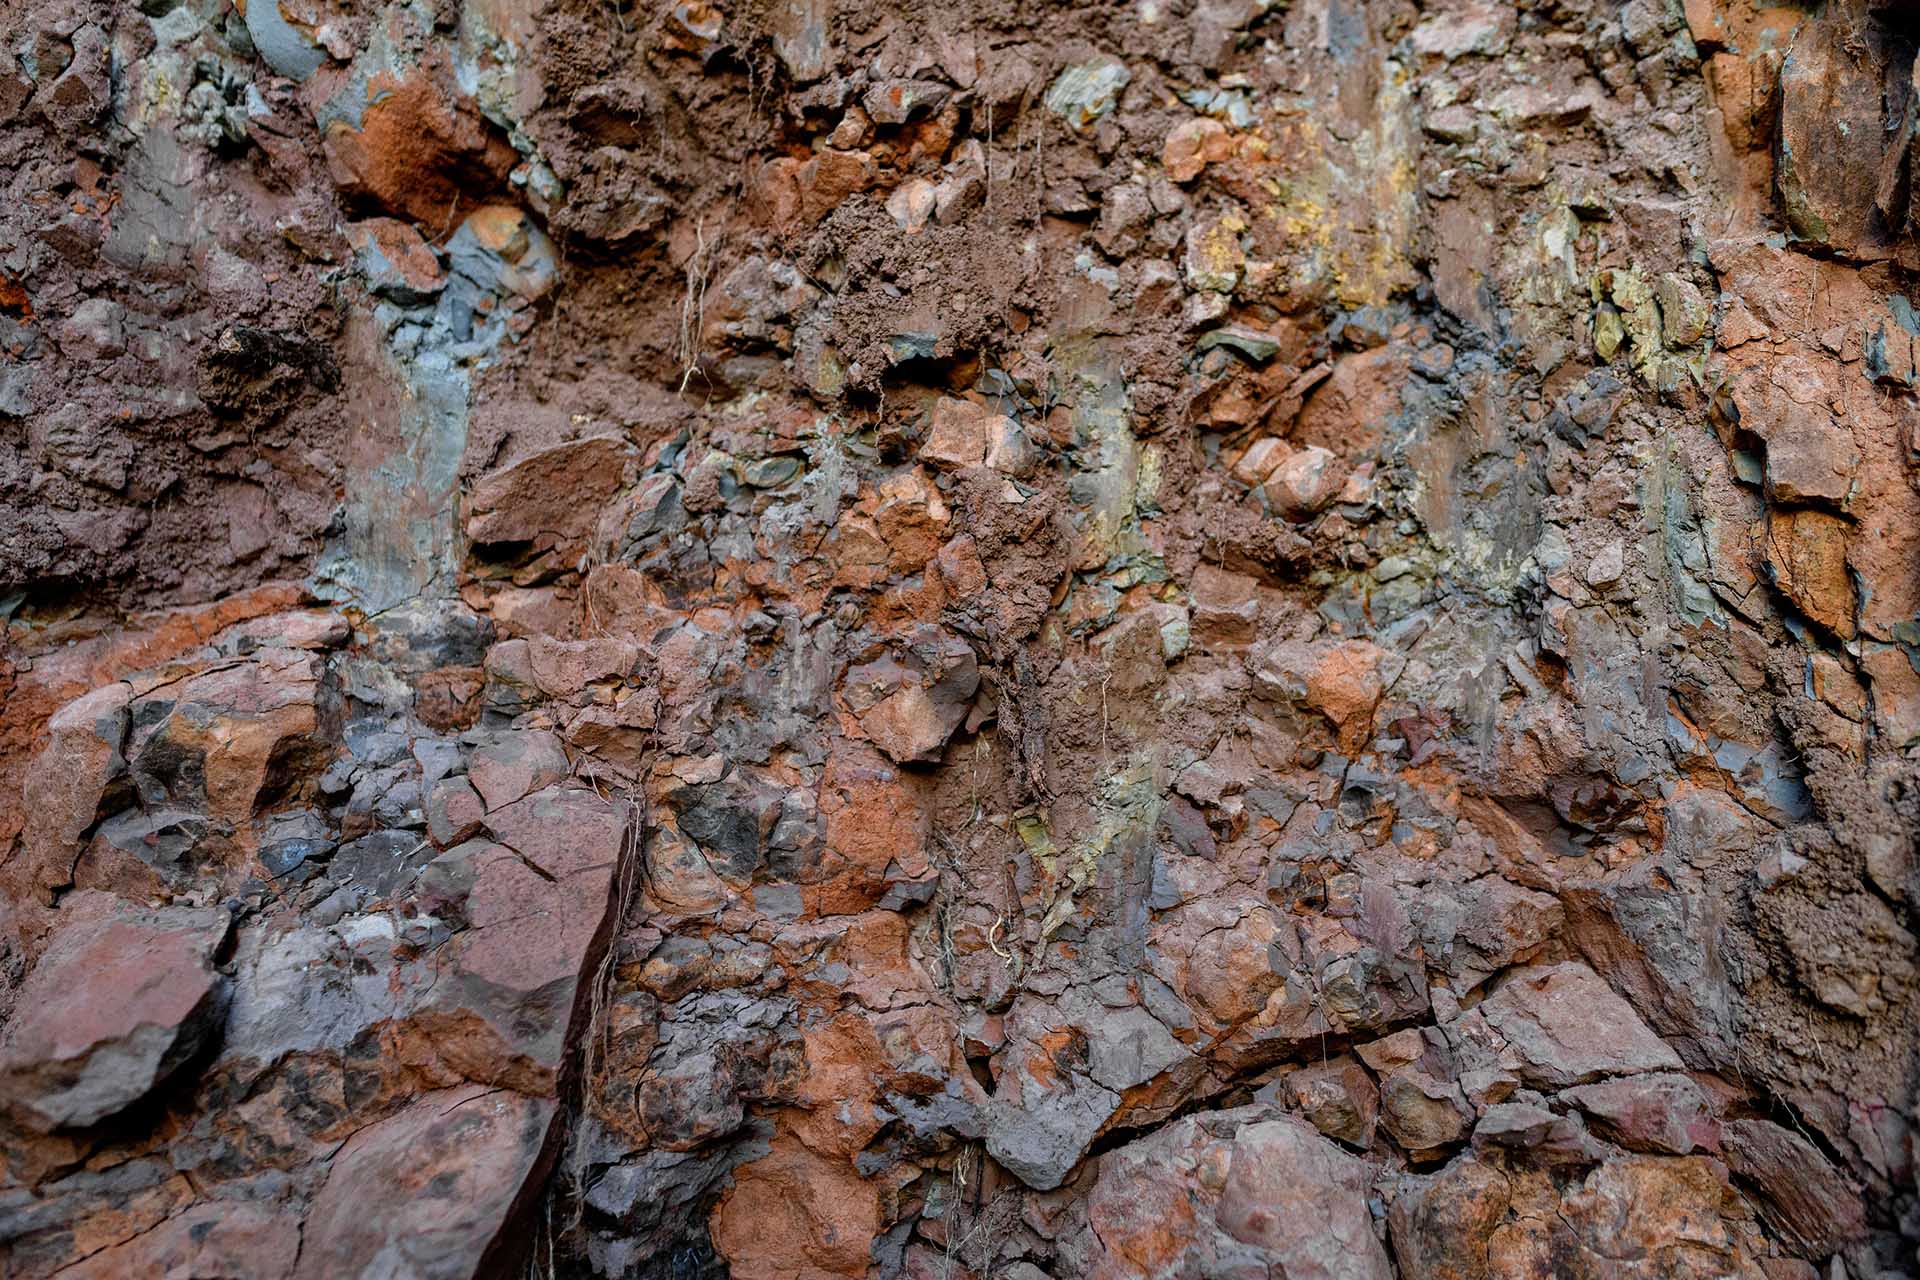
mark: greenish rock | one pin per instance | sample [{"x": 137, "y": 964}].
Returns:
[
  {"x": 913, "y": 346},
  {"x": 770, "y": 473},
  {"x": 1251, "y": 343},
  {"x": 1085, "y": 92}
]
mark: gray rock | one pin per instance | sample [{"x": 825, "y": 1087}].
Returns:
[{"x": 1040, "y": 1140}]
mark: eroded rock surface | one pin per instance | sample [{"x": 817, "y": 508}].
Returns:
[{"x": 831, "y": 639}]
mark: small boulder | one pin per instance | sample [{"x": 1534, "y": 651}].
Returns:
[
  {"x": 1567, "y": 1027},
  {"x": 120, "y": 999},
  {"x": 428, "y": 1192},
  {"x": 909, "y": 702}
]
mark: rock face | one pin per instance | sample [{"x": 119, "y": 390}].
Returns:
[
  {"x": 1199, "y": 638},
  {"x": 118, "y": 1001}
]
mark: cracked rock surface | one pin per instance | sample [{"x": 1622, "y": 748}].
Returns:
[{"x": 826, "y": 639}]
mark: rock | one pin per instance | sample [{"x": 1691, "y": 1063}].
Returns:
[
  {"x": 121, "y": 998},
  {"x": 909, "y": 701},
  {"x": 1633, "y": 1216},
  {"x": 796, "y": 1213},
  {"x": 215, "y": 1238},
  {"x": 959, "y": 435},
  {"x": 1811, "y": 460},
  {"x": 1607, "y": 565},
  {"x": 1684, "y": 314},
  {"x": 912, "y": 204},
  {"x": 74, "y": 99},
  {"x": 289, "y": 50},
  {"x": 1515, "y": 1126},
  {"x": 538, "y": 905},
  {"x": 1226, "y": 609},
  {"x": 408, "y": 144},
  {"x": 70, "y": 779},
  {"x": 455, "y": 812},
  {"x": 1339, "y": 1099},
  {"x": 548, "y": 501},
  {"x": 1258, "y": 461},
  {"x": 1302, "y": 1202},
  {"x": 1564, "y": 1026},
  {"x": 396, "y": 260},
  {"x": 1804, "y": 1195},
  {"x": 1086, "y": 91},
  {"x": 1228, "y": 1193},
  {"x": 435, "y": 1191},
  {"x": 1807, "y": 555},
  {"x": 1829, "y": 157},
  {"x": 1192, "y": 145},
  {"x": 1653, "y": 1112},
  {"x": 515, "y": 765},
  {"x": 1422, "y": 1110},
  {"x": 501, "y": 249},
  {"x": 96, "y": 328},
  {"x": 896, "y": 101},
  {"x": 1214, "y": 259},
  {"x": 1460, "y": 31},
  {"x": 1040, "y": 1130},
  {"x": 1345, "y": 686},
  {"x": 800, "y": 38},
  {"x": 1304, "y": 483}
]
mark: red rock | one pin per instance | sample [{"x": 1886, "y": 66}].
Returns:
[
  {"x": 1635, "y": 1217},
  {"x": 1803, "y": 1194},
  {"x": 1345, "y": 686},
  {"x": 875, "y": 814},
  {"x": 1829, "y": 151},
  {"x": 1339, "y": 1099},
  {"x": 1226, "y": 608},
  {"x": 549, "y": 500},
  {"x": 1304, "y": 483},
  {"x": 1192, "y": 145},
  {"x": 828, "y": 179},
  {"x": 120, "y": 999},
  {"x": 796, "y": 1215},
  {"x": 1565, "y": 1026},
  {"x": 912, "y": 204},
  {"x": 515, "y": 765},
  {"x": 1667, "y": 1113},
  {"x": 250, "y": 725},
  {"x": 1350, "y": 410},
  {"x": 216, "y": 1238},
  {"x": 1302, "y": 1202},
  {"x": 455, "y": 812},
  {"x": 396, "y": 260},
  {"x": 959, "y": 434},
  {"x": 416, "y": 150},
  {"x": 70, "y": 778},
  {"x": 1224, "y": 1192},
  {"x": 436, "y": 1190},
  {"x": 909, "y": 702},
  {"x": 1422, "y": 1111},
  {"x": 1811, "y": 460},
  {"x": 1807, "y": 552},
  {"x": 1257, "y": 463}
]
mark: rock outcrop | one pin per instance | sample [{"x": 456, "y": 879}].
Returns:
[{"x": 1187, "y": 639}]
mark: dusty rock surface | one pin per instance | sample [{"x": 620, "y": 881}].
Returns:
[{"x": 811, "y": 639}]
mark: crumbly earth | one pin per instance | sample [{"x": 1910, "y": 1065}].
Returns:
[{"x": 814, "y": 638}]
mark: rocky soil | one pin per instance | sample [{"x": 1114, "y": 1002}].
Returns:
[{"x": 796, "y": 639}]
